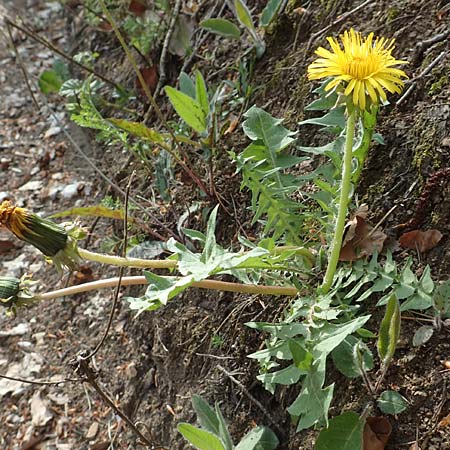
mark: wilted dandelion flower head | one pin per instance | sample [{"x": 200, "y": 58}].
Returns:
[
  {"x": 53, "y": 240},
  {"x": 364, "y": 67}
]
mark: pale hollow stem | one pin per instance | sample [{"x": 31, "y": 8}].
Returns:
[
  {"x": 128, "y": 262},
  {"x": 165, "y": 263},
  {"x": 141, "y": 280},
  {"x": 336, "y": 244}
]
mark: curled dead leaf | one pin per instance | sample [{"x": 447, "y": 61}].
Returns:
[
  {"x": 361, "y": 239},
  {"x": 376, "y": 433},
  {"x": 150, "y": 75},
  {"x": 104, "y": 25},
  {"x": 414, "y": 446},
  {"x": 445, "y": 422},
  {"x": 420, "y": 240},
  {"x": 84, "y": 274},
  {"x": 137, "y": 7},
  {"x": 300, "y": 11},
  {"x": 233, "y": 125}
]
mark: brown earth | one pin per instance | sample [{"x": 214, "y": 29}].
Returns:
[{"x": 151, "y": 365}]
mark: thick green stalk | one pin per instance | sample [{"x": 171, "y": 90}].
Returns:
[{"x": 336, "y": 244}]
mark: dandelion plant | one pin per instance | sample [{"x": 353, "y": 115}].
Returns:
[{"x": 360, "y": 70}]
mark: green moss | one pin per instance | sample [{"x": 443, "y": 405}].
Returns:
[
  {"x": 435, "y": 218},
  {"x": 328, "y": 5},
  {"x": 374, "y": 191},
  {"x": 391, "y": 14},
  {"x": 437, "y": 87},
  {"x": 425, "y": 157},
  {"x": 297, "y": 94},
  {"x": 299, "y": 97}
]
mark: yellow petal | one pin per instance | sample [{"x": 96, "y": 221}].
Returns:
[{"x": 371, "y": 91}]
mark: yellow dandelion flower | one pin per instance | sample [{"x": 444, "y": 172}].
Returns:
[
  {"x": 51, "y": 239},
  {"x": 364, "y": 67}
]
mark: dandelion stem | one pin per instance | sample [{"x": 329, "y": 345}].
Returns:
[
  {"x": 335, "y": 247},
  {"x": 170, "y": 263},
  {"x": 141, "y": 280},
  {"x": 127, "y": 262}
]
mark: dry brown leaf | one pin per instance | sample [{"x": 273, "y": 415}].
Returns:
[
  {"x": 362, "y": 211},
  {"x": 350, "y": 227},
  {"x": 376, "y": 433},
  {"x": 101, "y": 445},
  {"x": 137, "y": 7},
  {"x": 104, "y": 25},
  {"x": 84, "y": 274},
  {"x": 233, "y": 125},
  {"x": 445, "y": 422},
  {"x": 300, "y": 11},
  {"x": 420, "y": 240},
  {"x": 150, "y": 75},
  {"x": 361, "y": 240}
]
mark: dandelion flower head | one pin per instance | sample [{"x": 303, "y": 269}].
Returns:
[
  {"x": 53, "y": 240},
  {"x": 364, "y": 67}
]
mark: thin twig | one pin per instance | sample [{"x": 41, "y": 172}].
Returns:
[
  {"x": 203, "y": 35},
  {"x": 42, "y": 383},
  {"x": 21, "y": 65},
  {"x": 121, "y": 270},
  {"x": 381, "y": 378},
  {"x": 421, "y": 75},
  {"x": 91, "y": 164},
  {"x": 82, "y": 367},
  {"x": 209, "y": 355},
  {"x": 337, "y": 22},
  {"x": 117, "y": 188},
  {"x": 36, "y": 37},
  {"x": 251, "y": 398},
  {"x": 433, "y": 40},
  {"x": 381, "y": 221},
  {"x": 162, "y": 61}
]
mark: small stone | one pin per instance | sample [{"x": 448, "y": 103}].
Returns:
[
  {"x": 35, "y": 170},
  {"x": 131, "y": 370},
  {"x": 4, "y": 195},
  {"x": 59, "y": 399},
  {"x": 25, "y": 345},
  {"x": 18, "y": 330},
  {"x": 52, "y": 131},
  {"x": 54, "y": 191},
  {"x": 445, "y": 142},
  {"x": 16, "y": 266},
  {"x": 71, "y": 190},
  {"x": 31, "y": 186},
  {"x": 40, "y": 414},
  {"x": 92, "y": 432},
  {"x": 39, "y": 337}
]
